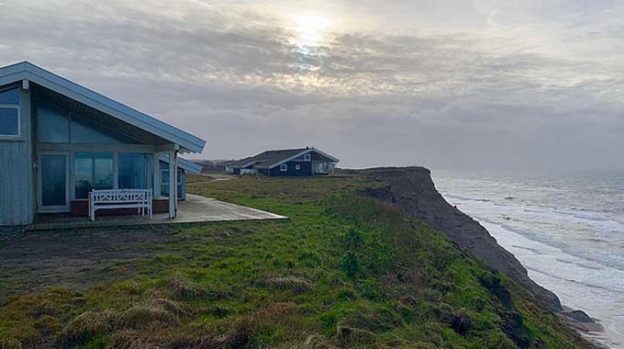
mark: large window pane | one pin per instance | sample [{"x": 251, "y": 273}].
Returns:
[
  {"x": 83, "y": 175},
  {"x": 9, "y": 121},
  {"x": 10, "y": 96},
  {"x": 103, "y": 173},
  {"x": 92, "y": 171},
  {"x": 85, "y": 130},
  {"x": 52, "y": 123},
  {"x": 53, "y": 172},
  {"x": 135, "y": 171},
  {"x": 164, "y": 180}
]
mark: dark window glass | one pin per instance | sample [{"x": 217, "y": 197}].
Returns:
[
  {"x": 164, "y": 180},
  {"x": 135, "y": 170},
  {"x": 53, "y": 175},
  {"x": 10, "y": 96},
  {"x": 9, "y": 121},
  {"x": 52, "y": 123},
  {"x": 84, "y": 130},
  {"x": 92, "y": 171}
]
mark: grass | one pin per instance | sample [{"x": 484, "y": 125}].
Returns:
[{"x": 344, "y": 271}]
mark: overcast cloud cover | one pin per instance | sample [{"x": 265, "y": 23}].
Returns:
[{"x": 441, "y": 83}]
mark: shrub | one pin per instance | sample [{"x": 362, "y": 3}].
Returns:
[
  {"x": 350, "y": 264},
  {"x": 87, "y": 326},
  {"x": 147, "y": 316},
  {"x": 353, "y": 239}
]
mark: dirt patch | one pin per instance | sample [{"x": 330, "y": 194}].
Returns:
[{"x": 77, "y": 259}]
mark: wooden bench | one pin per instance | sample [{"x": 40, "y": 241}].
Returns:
[{"x": 141, "y": 199}]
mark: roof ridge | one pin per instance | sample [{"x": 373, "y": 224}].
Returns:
[{"x": 50, "y": 80}]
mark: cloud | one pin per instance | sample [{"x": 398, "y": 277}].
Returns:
[{"x": 497, "y": 88}]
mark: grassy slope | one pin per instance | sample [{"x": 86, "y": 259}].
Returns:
[{"x": 344, "y": 271}]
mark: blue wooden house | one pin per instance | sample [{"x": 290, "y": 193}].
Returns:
[
  {"x": 307, "y": 161},
  {"x": 60, "y": 141}
]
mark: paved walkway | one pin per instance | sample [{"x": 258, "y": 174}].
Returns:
[{"x": 195, "y": 209}]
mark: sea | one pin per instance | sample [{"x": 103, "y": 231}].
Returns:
[{"x": 565, "y": 227}]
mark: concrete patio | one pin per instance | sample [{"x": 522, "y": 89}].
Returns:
[{"x": 195, "y": 209}]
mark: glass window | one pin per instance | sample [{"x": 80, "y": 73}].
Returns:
[
  {"x": 52, "y": 123},
  {"x": 135, "y": 170},
  {"x": 84, "y": 130},
  {"x": 283, "y": 167},
  {"x": 164, "y": 180},
  {"x": 9, "y": 121},
  {"x": 11, "y": 96},
  {"x": 53, "y": 175},
  {"x": 92, "y": 171}
]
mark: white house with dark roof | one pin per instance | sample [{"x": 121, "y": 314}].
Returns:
[
  {"x": 61, "y": 142},
  {"x": 307, "y": 161}
]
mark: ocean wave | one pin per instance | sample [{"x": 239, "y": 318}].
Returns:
[
  {"x": 453, "y": 196},
  {"x": 578, "y": 282}
]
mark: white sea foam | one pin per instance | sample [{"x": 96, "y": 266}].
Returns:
[{"x": 569, "y": 237}]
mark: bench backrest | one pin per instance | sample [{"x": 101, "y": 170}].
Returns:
[{"x": 120, "y": 195}]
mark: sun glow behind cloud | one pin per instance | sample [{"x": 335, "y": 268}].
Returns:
[
  {"x": 311, "y": 30},
  {"x": 311, "y": 37}
]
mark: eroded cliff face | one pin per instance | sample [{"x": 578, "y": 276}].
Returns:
[{"x": 412, "y": 190}]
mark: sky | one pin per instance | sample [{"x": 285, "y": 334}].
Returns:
[{"x": 459, "y": 84}]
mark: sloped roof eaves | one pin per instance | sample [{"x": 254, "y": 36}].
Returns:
[
  {"x": 28, "y": 71},
  {"x": 273, "y": 158},
  {"x": 241, "y": 163},
  {"x": 303, "y": 152},
  {"x": 187, "y": 165}
]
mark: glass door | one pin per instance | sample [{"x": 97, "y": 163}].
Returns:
[{"x": 54, "y": 179}]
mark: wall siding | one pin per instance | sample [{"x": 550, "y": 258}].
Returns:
[
  {"x": 16, "y": 172},
  {"x": 305, "y": 170}
]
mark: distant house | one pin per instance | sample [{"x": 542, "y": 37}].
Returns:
[
  {"x": 307, "y": 161},
  {"x": 59, "y": 141}
]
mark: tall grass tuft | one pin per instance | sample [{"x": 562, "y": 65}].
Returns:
[
  {"x": 295, "y": 284},
  {"x": 86, "y": 326}
]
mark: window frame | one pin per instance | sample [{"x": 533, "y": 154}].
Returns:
[
  {"x": 307, "y": 157},
  {"x": 75, "y": 156},
  {"x": 164, "y": 185},
  {"x": 148, "y": 174},
  {"x": 17, "y": 136},
  {"x": 297, "y": 167},
  {"x": 283, "y": 167}
]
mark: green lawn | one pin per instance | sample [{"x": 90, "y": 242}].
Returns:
[{"x": 344, "y": 271}]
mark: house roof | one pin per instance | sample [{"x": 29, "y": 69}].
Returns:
[
  {"x": 187, "y": 165},
  {"x": 49, "y": 80},
  {"x": 272, "y": 158}
]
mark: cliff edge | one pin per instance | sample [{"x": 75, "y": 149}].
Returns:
[{"x": 412, "y": 190}]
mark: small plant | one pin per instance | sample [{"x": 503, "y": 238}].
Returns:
[
  {"x": 353, "y": 239},
  {"x": 182, "y": 288},
  {"x": 297, "y": 285},
  {"x": 86, "y": 326},
  {"x": 350, "y": 264}
]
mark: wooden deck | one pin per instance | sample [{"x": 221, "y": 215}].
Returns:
[{"x": 195, "y": 209}]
